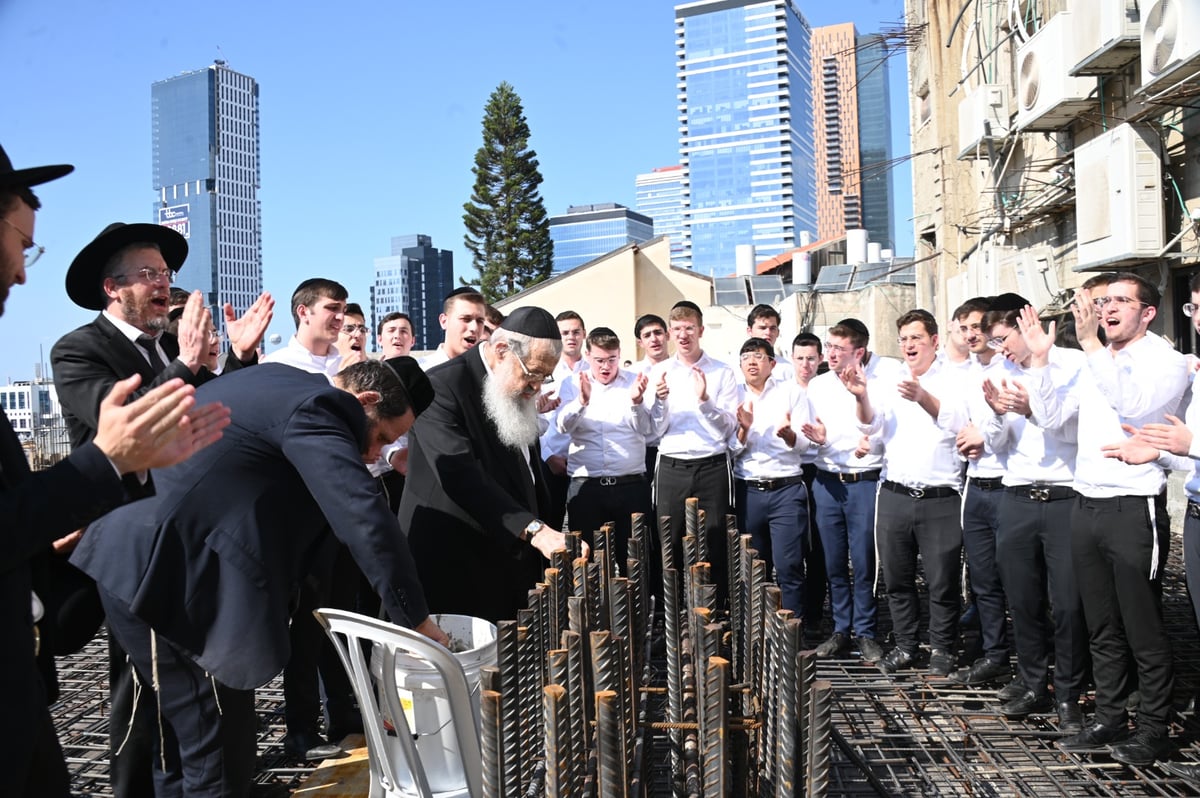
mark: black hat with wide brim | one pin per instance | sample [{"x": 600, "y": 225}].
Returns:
[
  {"x": 34, "y": 176},
  {"x": 84, "y": 285}
]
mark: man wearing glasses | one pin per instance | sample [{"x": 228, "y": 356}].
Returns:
[
  {"x": 1120, "y": 532},
  {"x": 845, "y": 485},
  {"x": 126, "y": 273},
  {"x": 352, "y": 338},
  {"x": 476, "y": 490}
]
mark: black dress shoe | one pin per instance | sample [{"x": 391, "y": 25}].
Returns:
[
  {"x": 1094, "y": 738},
  {"x": 1188, "y": 771},
  {"x": 983, "y": 671},
  {"x": 897, "y": 659},
  {"x": 1014, "y": 689},
  {"x": 941, "y": 662},
  {"x": 1028, "y": 703},
  {"x": 835, "y": 645},
  {"x": 310, "y": 747},
  {"x": 1143, "y": 749},
  {"x": 1070, "y": 717}
]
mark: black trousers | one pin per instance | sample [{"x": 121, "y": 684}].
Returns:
[
  {"x": 1033, "y": 550},
  {"x": 816, "y": 581},
  {"x": 1191, "y": 554},
  {"x": 1115, "y": 545},
  {"x": 709, "y": 480},
  {"x": 44, "y": 775},
  {"x": 132, "y": 727},
  {"x": 980, "y": 524},
  {"x": 595, "y": 501},
  {"x": 208, "y": 729},
  {"x": 905, "y": 527}
]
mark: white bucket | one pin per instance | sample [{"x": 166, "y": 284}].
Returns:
[{"x": 424, "y": 698}]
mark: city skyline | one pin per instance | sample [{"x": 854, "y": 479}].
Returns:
[{"x": 344, "y": 166}]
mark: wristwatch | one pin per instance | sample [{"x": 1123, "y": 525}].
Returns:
[{"x": 532, "y": 529}]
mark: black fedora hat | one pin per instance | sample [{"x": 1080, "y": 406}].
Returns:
[
  {"x": 83, "y": 278},
  {"x": 35, "y": 176}
]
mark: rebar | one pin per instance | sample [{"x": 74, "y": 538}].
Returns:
[
  {"x": 612, "y": 773},
  {"x": 578, "y": 688},
  {"x": 806, "y": 675},
  {"x": 714, "y": 728},
  {"x": 819, "y": 749},
  {"x": 786, "y": 779},
  {"x": 666, "y": 544},
  {"x": 508, "y": 661},
  {"x": 530, "y": 685},
  {"x": 556, "y": 720},
  {"x": 674, "y": 664},
  {"x": 491, "y": 742}
]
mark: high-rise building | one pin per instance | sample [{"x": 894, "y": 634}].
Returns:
[
  {"x": 660, "y": 196},
  {"x": 853, "y": 135},
  {"x": 585, "y": 232},
  {"x": 206, "y": 175},
  {"x": 746, "y": 128},
  {"x": 414, "y": 279}
]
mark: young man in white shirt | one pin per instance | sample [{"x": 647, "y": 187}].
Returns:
[
  {"x": 462, "y": 318},
  {"x": 319, "y": 310},
  {"x": 769, "y": 491},
  {"x": 806, "y": 362},
  {"x": 650, "y": 331},
  {"x": 395, "y": 336},
  {"x": 554, "y": 443},
  {"x": 763, "y": 322},
  {"x": 606, "y": 414},
  {"x": 917, "y": 510}
]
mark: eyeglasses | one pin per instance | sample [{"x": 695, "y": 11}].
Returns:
[
  {"x": 606, "y": 361},
  {"x": 544, "y": 379},
  {"x": 33, "y": 251},
  {"x": 997, "y": 342},
  {"x": 837, "y": 350},
  {"x": 1121, "y": 301},
  {"x": 915, "y": 339},
  {"x": 1188, "y": 309},
  {"x": 214, "y": 337},
  {"x": 351, "y": 329},
  {"x": 148, "y": 275},
  {"x": 761, "y": 357}
]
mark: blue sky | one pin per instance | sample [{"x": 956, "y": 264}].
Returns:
[{"x": 370, "y": 120}]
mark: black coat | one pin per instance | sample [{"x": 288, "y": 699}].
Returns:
[
  {"x": 212, "y": 561},
  {"x": 467, "y": 499}
]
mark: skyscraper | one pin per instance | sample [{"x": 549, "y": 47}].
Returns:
[
  {"x": 206, "y": 175},
  {"x": 854, "y": 134},
  {"x": 414, "y": 279},
  {"x": 585, "y": 232},
  {"x": 660, "y": 196},
  {"x": 746, "y": 128}
]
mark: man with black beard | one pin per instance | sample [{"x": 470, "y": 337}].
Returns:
[{"x": 476, "y": 481}]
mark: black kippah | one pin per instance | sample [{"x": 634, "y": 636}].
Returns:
[
  {"x": 1007, "y": 302},
  {"x": 686, "y": 303},
  {"x": 857, "y": 326},
  {"x": 532, "y": 321},
  {"x": 420, "y": 389}
]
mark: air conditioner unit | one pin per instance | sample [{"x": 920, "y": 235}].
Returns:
[
  {"x": 1170, "y": 42},
  {"x": 987, "y": 103},
  {"x": 1107, "y": 34},
  {"x": 1034, "y": 273},
  {"x": 1118, "y": 198},
  {"x": 1047, "y": 97}
]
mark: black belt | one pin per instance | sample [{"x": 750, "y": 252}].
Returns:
[
  {"x": 1193, "y": 510},
  {"x": 988, "y": 483},
  {"x": 1042, "y": 493},
  {"x": 607, "y": 481},
  {"x": 939, "y": 492},
  {"x": 684, "y": 462},
  {"x": 849, "y": 477},
  {"x": 773, "y": 484}
]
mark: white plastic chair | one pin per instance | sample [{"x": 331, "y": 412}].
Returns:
[{"x": 394, "y": 760}]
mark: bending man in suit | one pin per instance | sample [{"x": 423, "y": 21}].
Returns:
[
  {"x": 197, "y": 581},
  {"x": 126, "y": 273},
  {"x": 40, "y": 507},
  {"x": 476, "y": 482}
]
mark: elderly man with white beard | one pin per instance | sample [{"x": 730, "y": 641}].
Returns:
[{"x": 476, "y": 481}]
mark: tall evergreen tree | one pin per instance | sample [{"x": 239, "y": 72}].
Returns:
[{"x": 508, "y": 232}]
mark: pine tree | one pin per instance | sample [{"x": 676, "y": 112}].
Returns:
[{"x": 508, "y": 232}]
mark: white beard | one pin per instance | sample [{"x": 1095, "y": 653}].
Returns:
[{"x": 516, "y": 419}]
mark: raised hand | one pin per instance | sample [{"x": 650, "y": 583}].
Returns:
[
  {"x": 1015, "y": 398},
  {"x": 1173, "y": 437},
  {"x": 1087, "y": 320},
  {"x": 245, "y": 334},
  {"x": 638, "y": 392},
  {"x": 910, "y": 389},
  {"x": 814, "y": 431},
  {"x": 661, "y": 390},
  {"x": 854, "y": 377},
  {"x": 992, "y": 395},
  {"x": 192, "y": 332},
  {"x": 863, "y": 448},
  {"x": 585, "y": 388},
  {"x": 785, "y": 431},
  {"x": 745, "y": 414},
  {"x": 700, "y": 383},
  {"x": 1037, "y": 340},
  {"x": 547, "y": 402}
]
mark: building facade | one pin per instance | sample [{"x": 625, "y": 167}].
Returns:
[
  {"x": 876, "y": 175},
  {"x": 660, "y": 196},
  {"x": 585, "y": 232},
  {"x": 35, "y": 413},
  {"x": 746, "y": 128},
  {"x": 207, "y": 176},
  {"x": 414, "y": 279}
]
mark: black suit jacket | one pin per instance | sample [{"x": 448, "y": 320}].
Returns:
[
  {"x": 467, "y": 499},
  {"x": 37, "y": 508},
  {"x": 212, "y": 560}
]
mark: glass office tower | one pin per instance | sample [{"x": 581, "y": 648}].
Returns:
[
  {"x": 746, "y": 128},
  {"x": 206, "y": 175},
  {"x": 586, "y": 232},
  {"x": 660, "y": 196},
  {"x": 415, "y": 279},
  {"x": 875, "y": 139}
]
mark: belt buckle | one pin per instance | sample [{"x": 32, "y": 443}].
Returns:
[
  {"x": 917, "y": 493},
  {"x": 763, "y": 485},
  {"x": 1039, "y": 494},
  {"x": 608, "y": 481}
]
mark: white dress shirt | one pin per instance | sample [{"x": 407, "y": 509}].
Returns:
[
  {"x": 836, "y": 408},
  {"x": 645, "y": 366},
  {"x": 553, "y": 441},
  {"x": 918, "y": 450},
  {"x": 991, "y": 463},
  {"x": 607, "y": 436},
  {"x": 697, "y": 429},
  {"x": 435, "y": 358},
  {"x": 297, "y": 356},
  {"x": 1138, "y": 385},
  {"x": 133, "y": 334},
  {"x": 1035, "y": 454},
  {"x": 764, "y": 455}
]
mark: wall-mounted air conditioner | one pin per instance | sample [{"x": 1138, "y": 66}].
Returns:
[
  {"x": 1034, "y": 272},
  {"x": 1047, "y": 97},
  {"x": 1170, "y": 43},
  {"x": 1107, "y": 35},
  {"x": 987, "y": 103},
  {"x": 1118, "y": 198}
]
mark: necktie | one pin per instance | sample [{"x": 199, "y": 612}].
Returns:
[{"x": 148, "y": 343}]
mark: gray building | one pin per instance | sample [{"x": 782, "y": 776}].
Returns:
[
  {"x": 414, "y": 279},
  {"x": 585, "y": 232},
  {"x": 660, "y": 195},
  {"x": 875, "y": 140}
]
